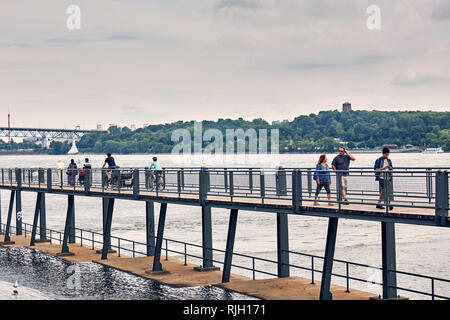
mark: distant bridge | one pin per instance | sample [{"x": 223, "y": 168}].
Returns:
[{"x": 41, "y": 133}]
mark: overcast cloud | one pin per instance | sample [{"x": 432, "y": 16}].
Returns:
[{"x": 157, "y": 61}]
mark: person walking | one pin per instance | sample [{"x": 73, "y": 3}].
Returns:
[
  {"x": 323, "y": 178},
  {"x": 72, "y": 172},
  {"x": 342, "y": 163},
  {"x": 384, "y": 178},
  {"x": 84, "y": 173}
]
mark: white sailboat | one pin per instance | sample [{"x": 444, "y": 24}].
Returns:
[{"x": 73, "y": 149}]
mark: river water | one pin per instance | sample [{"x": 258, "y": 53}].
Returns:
[{"x": 422, "y": 250}]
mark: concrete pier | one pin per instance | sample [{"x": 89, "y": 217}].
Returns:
[{"x": 181, "y": 275}]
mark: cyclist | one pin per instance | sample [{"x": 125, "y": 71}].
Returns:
[
  {"x": 157, "y": 171},
  {"x": 111, "y": 165}
]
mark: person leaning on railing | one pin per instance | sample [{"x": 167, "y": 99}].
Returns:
[
  {"x": 323, "y": 179},
  {"x": 382, "y": 165}
]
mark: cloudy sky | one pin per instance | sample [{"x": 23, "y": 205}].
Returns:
[{"x": 155, "y": 61}]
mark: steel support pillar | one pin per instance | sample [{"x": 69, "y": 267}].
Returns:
[
  {"x": 72, "y": 223},
  {"x": 388, "y": 260},
  {"x": 70, "y": 203},
  {"x": 8, "y": 220},
  {"x": 150, "y": 227},
  {"x": 107, "y": 230},
  {"x": 283, "y": 245},
  {"x": 18, "y": 212},
  {"x": 105, "y": 202},
  {"x": 35, "y": 220},
  {"x": 325, "y": 293},
  {"x": 159, "y": 238},
  {"x": 43, "y": 218},
  {"x": 207, "y": 242},
  {"x": 230, "y": 245}
]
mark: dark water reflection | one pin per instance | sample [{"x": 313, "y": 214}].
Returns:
[{"x": 57, "y": 279}]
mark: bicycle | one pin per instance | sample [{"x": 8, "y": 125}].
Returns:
[{"x": 152, "y": 181}]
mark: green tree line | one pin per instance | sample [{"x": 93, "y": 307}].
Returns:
[{"x": 324, "y": 131}]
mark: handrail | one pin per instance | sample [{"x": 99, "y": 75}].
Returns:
[{"x": 347, "y": 276}]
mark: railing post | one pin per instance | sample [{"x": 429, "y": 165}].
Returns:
[
  {"x": 309, "y": 175},
  {"x": 147, "y": 178},
  {"x": 164, "y": 178},
  {"x": 339, "y": 188},
  {"x": 136, "y": 184},
  {"x": 442, "y": 199},
  {"x": 281, "y": 181},
  {"x": 87, "y": 180},
  {"x": 296, "y": 191},
  {"x": 225, "y": 181},
  {"x": 429, "y": 179},
  {"x": 41, "y": 176},
  {"x": 250, "y": 180},
  {"x": 230, "y": 174},
  {"x": 179, "y": 183},
  {"x": 203, "y": 185},
  {"x": 103, "y": 172},
  {"x": 182, "y": 179},
  {"x": 262, "y": 185},
  {"x": 49, "y": 180}
]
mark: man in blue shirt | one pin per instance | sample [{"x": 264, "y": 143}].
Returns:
[
  {"x": 382, "y": 165},
  {"x": 111, "y": 164},
  {"x": 342, "y": 163}
]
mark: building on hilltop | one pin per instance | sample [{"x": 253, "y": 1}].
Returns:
[{"x": 347, "y": 106}]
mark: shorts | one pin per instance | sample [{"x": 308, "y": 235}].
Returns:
[
  {"x": 323, "y": 184},
  {"x": 382, "y": 184},
  {"x": 344, "y": 181}
]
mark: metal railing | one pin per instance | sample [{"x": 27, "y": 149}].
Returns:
[
  {"x": 419, "y": 188},
  {"x": 120, "y": 244}
]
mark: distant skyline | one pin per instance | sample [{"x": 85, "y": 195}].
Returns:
[{"x": 136, "y": 62}]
